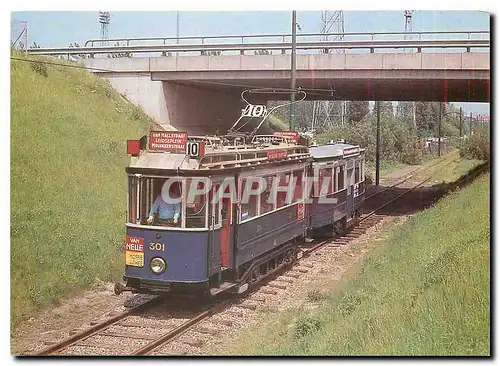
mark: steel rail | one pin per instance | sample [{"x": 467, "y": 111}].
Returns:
[
  {"x": 282, "y": 36},
  {"x": 179, "y": 330},
  {"x": 447, "y": 43},
  {"x": 80, "y": 336}
]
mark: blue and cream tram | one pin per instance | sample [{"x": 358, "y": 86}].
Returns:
[
  {"x": 243, "y": 204},
  {"x": 232, "y": 233}
]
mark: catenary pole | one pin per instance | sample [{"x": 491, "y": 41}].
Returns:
[
  {"x": 377, "y": 148},
  {"x": 293, "y": 66}
]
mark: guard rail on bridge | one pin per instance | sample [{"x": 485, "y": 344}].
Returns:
[
  {"x": 479, "y": 41},
  {"x": 349, "y": 36}
]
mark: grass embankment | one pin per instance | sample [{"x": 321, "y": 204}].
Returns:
[
  {"x": 68, "y": 155},
  {"x": 422, "y": 291},
  {"x": 454, "y": 169}
]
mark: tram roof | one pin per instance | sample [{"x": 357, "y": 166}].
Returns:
[{"x": 333, "y": 150}]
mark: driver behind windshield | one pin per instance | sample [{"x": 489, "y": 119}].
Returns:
[{"x": 167, "y": 209}]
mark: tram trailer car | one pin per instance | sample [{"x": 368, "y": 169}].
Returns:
[
  {"x": 226, "y": 245},
  {"x": 339, "y": 187}
]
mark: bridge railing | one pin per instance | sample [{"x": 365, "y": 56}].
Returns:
[
  {"x": 260, "y": 44},
  {"x": 258, "y": 38}
]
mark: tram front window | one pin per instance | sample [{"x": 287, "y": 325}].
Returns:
[{"x": 166, "y": 202}]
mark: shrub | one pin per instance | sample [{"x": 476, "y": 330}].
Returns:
[
  {"x": 477, "y": 146},
  {"x": 307, "y": 324},
  {"x": 39, "y": 68}
]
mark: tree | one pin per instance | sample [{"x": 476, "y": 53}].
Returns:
[
  {"x": 404, "y": 113},
  {"x": 386, "y": 110},
  {"x": 356, "y": 111},
  {"x": 426, "y": 117}
]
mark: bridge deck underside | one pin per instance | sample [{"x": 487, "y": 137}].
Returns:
[{"x": 403, "y": 85}]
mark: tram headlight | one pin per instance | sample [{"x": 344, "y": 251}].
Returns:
[{"x": 157, "y": 265}]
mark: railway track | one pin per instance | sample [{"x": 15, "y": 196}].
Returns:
[{"x": 162, "y": 327}]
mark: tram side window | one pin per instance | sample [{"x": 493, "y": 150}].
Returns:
[
  {"x": 362, "y": 169},
  {"x": 248, "y": 208},
  {"x": 283, "y": 180},
  {"x": 141, "y": 198},
  {"x": 335, "y": 182},
  {"x": 266, "y": 199},
  {"x": 325, "y": 181},
  {"x": 340, "y": 177},
  {"x": 132, "y": 199},
  {"x": 357, "y": 172},
  {"x": 196, "y": 208},
  {"x": 297, "y": 193}
]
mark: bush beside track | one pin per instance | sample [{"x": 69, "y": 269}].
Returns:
[
  {"x": 68, "y": 153},
  {"x": 423, "y": 291}
]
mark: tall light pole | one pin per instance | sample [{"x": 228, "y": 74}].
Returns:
[
  {"x": 470, "y": 124},
  {"x": 292, "y": 82}
]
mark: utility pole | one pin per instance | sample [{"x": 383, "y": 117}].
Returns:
[
  {"x": 460, "y": 135},
  {"x": 439, "y": 128},
  {"x": 408, "y": 36},
  {"x": 292, "y": 83},
  {"x": 377, "y": 148},
  {"x": 470, "y": 124}
]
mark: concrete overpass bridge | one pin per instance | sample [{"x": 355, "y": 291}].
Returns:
[{"x": 197, "y": 92}]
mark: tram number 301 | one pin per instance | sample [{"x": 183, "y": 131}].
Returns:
[
  {"x": 255, "y": 111},
  {"x": 157, "y": 246},
  {"x": 195, "y": 149}
]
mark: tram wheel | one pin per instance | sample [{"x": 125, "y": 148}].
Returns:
[{"x": 255, "y": 275}]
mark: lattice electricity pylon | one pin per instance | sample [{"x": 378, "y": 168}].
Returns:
[
  {"x": 332, "y": 22},
  {"x": 408, "y": 25},
  {"x": 104, "y": 20}
]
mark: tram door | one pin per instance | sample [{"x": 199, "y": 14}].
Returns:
[
  {"x": 350, "y": 189},
  {"x": 226, "y": 232},
  {"x": 214, "y": 225}
]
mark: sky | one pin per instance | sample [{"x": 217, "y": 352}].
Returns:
[{"x": 59, "y": 29}]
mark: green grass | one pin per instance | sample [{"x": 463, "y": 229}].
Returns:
[
  {"x": 68, "y": 157},
  {"x": 386, "y": 167},
  {"x": 449, "y": 172},
  {"x": 424, "y": 291}
]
